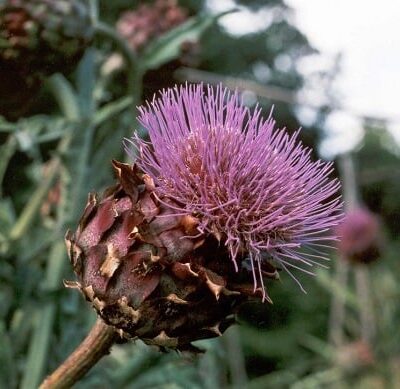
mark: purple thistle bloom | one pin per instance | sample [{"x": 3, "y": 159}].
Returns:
[{"x": 253, "y": 187}]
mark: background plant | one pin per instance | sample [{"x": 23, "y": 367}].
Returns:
[{"x": 59, "y": 150}]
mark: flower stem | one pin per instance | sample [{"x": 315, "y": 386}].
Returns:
[
  {"x": 89, "y": 352},
  {"x": 338, "y": 309},
  {"x": 350, "y": 196},
  {"x": 367, "y": 317}
]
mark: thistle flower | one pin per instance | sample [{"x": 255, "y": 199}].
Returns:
[
  {"x": 147, "y": 22},
  {"x": 167, "y": 255},
  {"x": 360, "y": 234},
  {"x": 148, "y": 273},
  {"x": 251, "y": 186},
  {"x": 42, "y": 37},
  {"x": 38, "y": 38}
]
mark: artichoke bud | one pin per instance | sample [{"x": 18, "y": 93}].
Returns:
[
  {"x": 42, "y": 37},
  {"x": 148, "y": 271}
]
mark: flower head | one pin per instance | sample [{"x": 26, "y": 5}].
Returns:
[
  {"x": 149, "y": 21},
  {"x": 146, "y": 272},
  {"x": 360, "y": 234},
  {"x": 254, "y": 187}
]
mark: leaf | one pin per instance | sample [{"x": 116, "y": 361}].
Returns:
[
  {"x": 7, "y": 363},
  {"x": 86, "y": 83},
  {"x": 7, "y": 220},
  {"x": 7, "y": 150},
  {"x": 7, "y": 214},
  {"x": 39, "y": 129},
  {"x": 111, "y": 109},
  {"x": 167, "y": 47},
  {"x": 6, "y": 126}
]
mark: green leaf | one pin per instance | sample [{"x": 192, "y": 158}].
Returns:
[
  {"x": 7, "y": 150},
  {"x": 7, "y": 220},
  {"x": 7, "y": 215},
  {"x": 6, "y": 126},
  {"x": 7, "y": 363},
  {"x": 167, "y": 47},
  {"x": 85, "y": 83},
  {"x": 111, "y": 109},
  {"x": 65, "y": 95}
]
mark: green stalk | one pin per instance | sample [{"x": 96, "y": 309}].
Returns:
[
  {"x": 7, "y": 151},
  {"x": 366, "y": 315},
  {"x": 82, "y": 111},
  {"x": 68, "y": 102},
  {"x": 66, "y": 98},
  {"x": 31, "y": 209},
  {"x": 44, "y": 320},
  {"x": 6, "y": 126},
  {"x": 338, "y": 305},
  {"x": 134, "y": 70},
  {"x": 325, "y": 378}
]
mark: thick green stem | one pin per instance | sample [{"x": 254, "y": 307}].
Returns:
[{"x": 89, "y": 352}]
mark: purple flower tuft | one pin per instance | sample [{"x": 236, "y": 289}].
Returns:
[{"x": 253, "y": 187}]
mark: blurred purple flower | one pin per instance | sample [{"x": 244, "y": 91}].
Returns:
[
  {"x": 361, "y": 236},
  {"x": 253, "y": 187}
]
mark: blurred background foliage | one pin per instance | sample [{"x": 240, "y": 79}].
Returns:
[{"x": 58, "y": 147}]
